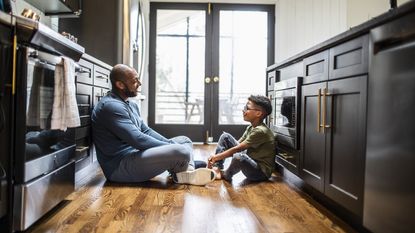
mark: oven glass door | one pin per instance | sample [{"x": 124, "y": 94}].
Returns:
[
  {"x": 285, "y": 112},
  {"x": 40, "y": 139}
]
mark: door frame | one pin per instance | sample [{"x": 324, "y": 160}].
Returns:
[
  {"x": 211, "y": 98},
  {"x": 195, "y": 132},
  {"x": 215, "y": 128}
]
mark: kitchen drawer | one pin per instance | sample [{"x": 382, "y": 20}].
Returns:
[
  {"x": 350, "y": 58},
  {"x": 83, "y": 89},
  {"x": 84, "y": 110},
  {"x": 99, "y": 93},
  {"x": 316, "y": 67},
  {"x": 83, "y": 99},
  {"x": 86, "y": 72},
  {"x": 36, "y": 198},
  {"x": 82, "y": 132},
  {"x": 292, "y": 71},
  {"x": 81, "y": 152},
  {"x": 85, "y": 119},
  {"x": 101, "y": 77}
]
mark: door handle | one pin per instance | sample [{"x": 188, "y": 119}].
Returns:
[
  {"x": 207, "y": 80},
  {"x": 325, "y": 95},
  {"x": 318, "y": 110},
  {"x": 215, "y": 79}
]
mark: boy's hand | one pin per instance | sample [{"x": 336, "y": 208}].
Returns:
[{"x": 211, "y": 161}]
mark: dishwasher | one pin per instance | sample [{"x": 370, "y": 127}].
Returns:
[{"x": 389, "y": 198}]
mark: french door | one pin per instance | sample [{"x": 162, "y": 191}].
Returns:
[{"x": 205, "y": 61}]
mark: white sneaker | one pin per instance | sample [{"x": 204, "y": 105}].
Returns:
[{"x": 200, "y": 176}]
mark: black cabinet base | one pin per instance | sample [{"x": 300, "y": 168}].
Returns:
[{"x": 322, "y": 203}]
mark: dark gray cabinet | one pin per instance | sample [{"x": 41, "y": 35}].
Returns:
[
  {"x": 333, "y": 139},
  {"x": 92, "y": 82},
  {"x": 334, "y": 124}
]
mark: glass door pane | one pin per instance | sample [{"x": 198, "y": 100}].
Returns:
[
  {"x": 243, "y": 41},
  {"x": 180, "y": 67}
]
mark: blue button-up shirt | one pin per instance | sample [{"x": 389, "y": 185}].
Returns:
[{"x": 118, "y": 130}]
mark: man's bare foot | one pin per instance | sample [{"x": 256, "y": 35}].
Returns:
[{"x": 218, "y": 173}]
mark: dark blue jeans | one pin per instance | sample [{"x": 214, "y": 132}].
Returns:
[{"x": 240, "y": 161}]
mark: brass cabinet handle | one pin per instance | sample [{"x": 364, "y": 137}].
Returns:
[
  {"x": 207, "y": 80},
  {"x": 215, "y": 79},
  {"x": 325, "y": 94},
  {"x": 318, "y": 110},
  {"x": 285, "y": 156}
]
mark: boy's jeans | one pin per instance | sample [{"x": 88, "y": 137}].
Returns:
[{"x": 240, "y": 161}]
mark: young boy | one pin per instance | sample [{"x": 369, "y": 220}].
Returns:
[{"x": 254, "y": 152}]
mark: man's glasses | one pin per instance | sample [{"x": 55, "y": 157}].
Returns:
[{"x": 246, "y": 108}]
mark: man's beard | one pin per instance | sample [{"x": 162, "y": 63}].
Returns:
[{"x": 129, "y": 93}]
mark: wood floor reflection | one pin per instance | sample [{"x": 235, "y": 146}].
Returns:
[{"x": 160, "y": 205}]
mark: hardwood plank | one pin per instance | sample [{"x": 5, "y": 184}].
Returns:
[{"x": 160, "y": 205}]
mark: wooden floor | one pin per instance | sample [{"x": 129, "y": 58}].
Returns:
[{"x": 162, "y": 206}]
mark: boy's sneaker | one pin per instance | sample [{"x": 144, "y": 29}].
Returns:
[{"x": 199, "y": 176}]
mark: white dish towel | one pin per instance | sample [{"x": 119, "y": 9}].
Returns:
[{"x": 65, "y": 112}]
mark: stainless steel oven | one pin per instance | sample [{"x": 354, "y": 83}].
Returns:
[
  {"x": 44, "y": 158},
  {"x": 36, "y": 162},
  {"x": 285, "y": 121}
]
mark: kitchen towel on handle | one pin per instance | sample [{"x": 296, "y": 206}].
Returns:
[{"x": 65, "y": 112}]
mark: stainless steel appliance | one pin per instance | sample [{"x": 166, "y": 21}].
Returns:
[
  {"x": 37, "y": 161},
  {"x": 285, "y": 121},
  {"x": 44, "y": 170},
  {"x": 6, "y": 49},
  {"x": 389, "y": 197}
]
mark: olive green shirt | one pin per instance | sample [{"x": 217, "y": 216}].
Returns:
[{"x": 261, "y": 147}]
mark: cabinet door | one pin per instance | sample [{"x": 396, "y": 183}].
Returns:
[
  {"x": 316, "y": 68},
  {"x": 345, "y": 144},
  {"x": 312, "y": 137},
  {"x": 349, "y": 59}
]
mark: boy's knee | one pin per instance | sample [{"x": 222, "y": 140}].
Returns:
[
  {"x": 240, "y": 157},
  {"x": 224, "y": 136}
]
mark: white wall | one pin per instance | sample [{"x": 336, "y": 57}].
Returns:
[
  {"x": 299, "y": 24},
  {"x": 360, "y": 11}
]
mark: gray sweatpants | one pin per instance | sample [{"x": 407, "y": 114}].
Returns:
[{"x": 144, "y": 165}]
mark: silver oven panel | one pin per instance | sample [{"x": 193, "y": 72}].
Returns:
[{"x": 36, "y": 198}]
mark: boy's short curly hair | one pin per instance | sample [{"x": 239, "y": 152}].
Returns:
[{"x": 263, "y": 102}]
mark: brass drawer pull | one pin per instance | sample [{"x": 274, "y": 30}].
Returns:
[
  {"x": 285, "y": 156},
  {"x": 325, "y": 94},
  {"x": 318, "y": 110}
]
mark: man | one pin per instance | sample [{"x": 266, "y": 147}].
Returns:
[
  {"x": 254, "y": 152},
  {"x": 127, "y": 149}
]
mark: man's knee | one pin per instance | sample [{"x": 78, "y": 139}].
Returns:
[
  {"x": 182, "y": 140},
  {"x": 181, "y": 152}
]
